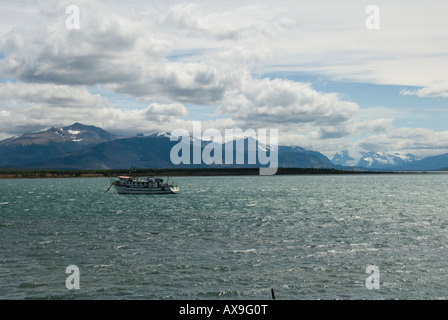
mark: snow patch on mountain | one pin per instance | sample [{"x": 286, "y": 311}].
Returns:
[
  {"x": 374, "y": 160},
  {"x": 343, "y": 158}
]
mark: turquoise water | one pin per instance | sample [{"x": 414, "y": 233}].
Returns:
[{"x": 308, "y": 237}]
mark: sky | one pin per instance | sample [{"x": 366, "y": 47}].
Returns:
[{"x": 328, "y": 75}]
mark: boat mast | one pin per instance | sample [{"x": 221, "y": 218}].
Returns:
[{"x": 133, "y": 171}]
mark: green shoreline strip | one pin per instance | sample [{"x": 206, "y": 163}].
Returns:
[{"x": 48, "y": 173}]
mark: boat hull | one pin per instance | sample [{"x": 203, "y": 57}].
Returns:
[{"x": 146, "y": 190}]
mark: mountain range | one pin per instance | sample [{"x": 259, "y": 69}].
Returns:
[
  {"x": 374, "y": 160},
  {"x": 87, "y": 147},
  {"x": 388, "y": 161},
  {"x": 80, "y": 146},
  {"x": 45, "y": 145}
]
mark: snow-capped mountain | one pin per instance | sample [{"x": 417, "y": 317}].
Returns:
[
  {"x": 60, "y": 148},
  {"x": 342, "y": 158},
  {"x": 374, "y": 160},
  {"x": 87, "y": 147},
  {"x": 383, "y": 160},
  {"x": 79, "y": 133},
  {"x": 47, "y": 144},
  {"x": 158, "y": 135}
]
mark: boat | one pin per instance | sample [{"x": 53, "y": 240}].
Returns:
[{"x": 133, "y": 184}]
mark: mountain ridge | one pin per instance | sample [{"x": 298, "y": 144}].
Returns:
[
  {"x": 389, "y": 161},
  {"x": 80, "y": 146},
  {"x": 155, "y": 152},
  {"x": 373, "y": 160},
  {"x": 47, "y": 144}
]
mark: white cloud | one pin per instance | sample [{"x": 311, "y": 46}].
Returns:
[
  {"x": 209, "y": 53},
  {"x": 419, "y": 141},
  {"x": 175, "y": 109},
  {"x": 242, "y": 22},
  {"x": 280, "y": 102},
  {"x": 126, "y": 122},
  {"x": 197, "y": 83},
  {"x": 374, "y": 126},
  {"x": 433, "y": 91},
  {"x": 49, "y": 94},
  {"x": 123, "y": 42}
]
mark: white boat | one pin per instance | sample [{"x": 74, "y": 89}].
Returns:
[
  {"x": 133, "y": 184},
  {"x": 143, "y": 185}
]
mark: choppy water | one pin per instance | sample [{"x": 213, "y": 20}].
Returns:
[{"x": 308, "y": 237}]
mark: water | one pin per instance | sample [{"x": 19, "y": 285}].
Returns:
[{"x": 308, "y": 237}]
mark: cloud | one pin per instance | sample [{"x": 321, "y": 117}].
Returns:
[
  {"x": 239, "y": 23},
  {"x": 355, "y": 127},
  {"x": 374, "y": 126},
  {"x": 165, "y": 56},
  {"x": 196, "y": 83},
  {"x": 278, "y": 101},
  {"x": 106, "y": 49},
  {"x": 165, "y": 113},
  {"x": 119, "y": 43},
  {"x": 49, "y": 94},
  {"x": 433, "y": 91},
  {"x": 174, "y": 109},
  {"x": 126, "y": 55},
  {"x": 127, "y": 122},
  {"x": 419, "y": 141}
]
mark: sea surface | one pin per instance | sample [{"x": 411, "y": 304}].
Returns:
[{"x": 233, "y": 237}]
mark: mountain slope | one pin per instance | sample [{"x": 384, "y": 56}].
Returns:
[
  {"x": 80, "y": 146},
  {"x": 386, "y": 161},
  {"x": 44, "y": 145},
  {"x": 374, "y": 160},
  {"x": 429, "y": 163},
  {"x": 382, "y": 160},
  {"x": 342, "y": 158},
  {"x": 154, "y": 152},
  {"x": 297, "y": 157}
]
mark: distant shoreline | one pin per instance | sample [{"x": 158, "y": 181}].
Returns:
[{"x": 181, "y": 172}]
